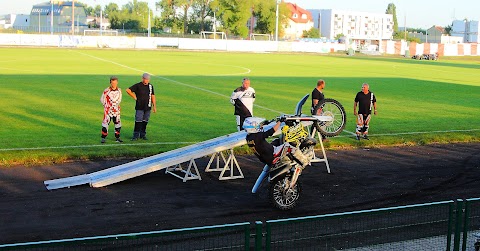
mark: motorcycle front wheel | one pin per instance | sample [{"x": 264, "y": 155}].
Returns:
[{"x": 281, "y": 195}]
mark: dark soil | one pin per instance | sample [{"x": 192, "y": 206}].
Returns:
[{"x": 360, "y": 179}]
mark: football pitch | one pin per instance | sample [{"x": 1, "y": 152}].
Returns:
[{"x": 50, "y": 98}]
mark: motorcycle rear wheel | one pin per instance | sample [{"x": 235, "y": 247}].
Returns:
[
  {"x": 283, "y": 197},
  {"x": 333, "y": 108}
]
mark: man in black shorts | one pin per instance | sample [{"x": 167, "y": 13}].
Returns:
[
  {"x": 366, "y": 102},
  {"x": 144, "y": 94}
]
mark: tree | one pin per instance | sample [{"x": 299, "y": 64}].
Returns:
[
  {"x": 201, "y": 10},
  {"x": 185, "y": 5},
  {"x": 137, "y": 11},
  {"x": 111, "y": 8},
  {"x": 133, "y": 15},
  {"x": 448, "y": 29},
  {"x": 413, "y": 39},
  {"x": 234, "y": 15},
  {"x": 97, "y": 10},
  {"x": 338, "y": 36},
  {"x": 89, "y": 10},
  {"x": 391, "y": 9},
  {"x": 265, "y": 15},
  {"x": 312, "y": 33},
  {"x": 169, "y": 17}
]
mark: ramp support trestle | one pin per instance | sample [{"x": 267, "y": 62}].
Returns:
[
  {"x": 189, "y": 173},
  {"x": 230, "y": 165},
  {"x": 315, "y": 158}
]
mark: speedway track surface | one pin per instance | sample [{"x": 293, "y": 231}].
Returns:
[{"x": 360, "y": 179}]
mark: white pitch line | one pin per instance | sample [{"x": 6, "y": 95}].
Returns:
[
  {"x": 349, "y": 132},
  {"x": 91, "y": 146},
  {"x": 176, "y": 82}
]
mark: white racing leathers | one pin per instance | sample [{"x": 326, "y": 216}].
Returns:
[
  {"x": 111, "y": 103},
  {"x": 243, "y": 100}
]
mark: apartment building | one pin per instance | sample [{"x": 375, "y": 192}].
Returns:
[
  {"x": 354, "y": 25},
  {"x": 469, "y": 30}
]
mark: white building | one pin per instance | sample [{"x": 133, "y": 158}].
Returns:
[
  {"x": 358, "y": 26},
  {"x": 466, "y": 29},
  {"x": 299, "y": 20},
  {"x": 14, "y": 20}
]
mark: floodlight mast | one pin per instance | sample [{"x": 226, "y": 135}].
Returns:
[
  {"x": 214, "y": 25},
  {"x": 276, "y": 21},
  {"x": 101, "y": 21},
  {"x": 51, "y": 19},
  {"x": 149, "y": 24},
  {"x": 73, "y": 17}
]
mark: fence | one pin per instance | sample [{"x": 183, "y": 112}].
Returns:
[
  {"x": 417, "y": 227},
  {"x": 448, "y": 225},
  {"x": 224, "y": 237}
]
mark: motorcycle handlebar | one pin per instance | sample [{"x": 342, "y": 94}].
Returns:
[{"x": 293, "y": 118}]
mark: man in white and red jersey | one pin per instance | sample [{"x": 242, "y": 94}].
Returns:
[
  {"x": 242, "y": 98},
  {"x": 111, "y": 98}
]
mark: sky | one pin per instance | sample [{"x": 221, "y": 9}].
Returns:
[{"x": 414, "y": 13}]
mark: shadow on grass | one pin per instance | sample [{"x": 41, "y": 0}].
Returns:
[{"x": 200, "y": 110}]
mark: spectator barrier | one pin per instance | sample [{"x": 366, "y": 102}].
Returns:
[{"x": 448, "y": 225}]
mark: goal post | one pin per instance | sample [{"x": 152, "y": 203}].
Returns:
[
  {"x": 213, "y": 35},
  {"x": 264, "y": 37},
  {"x": 102, "y": 32}
]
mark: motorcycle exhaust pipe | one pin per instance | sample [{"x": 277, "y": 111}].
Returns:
[{"x": 260, "y": 178}]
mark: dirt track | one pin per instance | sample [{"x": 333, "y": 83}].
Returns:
[{"x": 360, "y": 179}]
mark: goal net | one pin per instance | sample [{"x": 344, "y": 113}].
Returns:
[
  {"x": 102, "y": 32},
  {"x": 264, "y": 37},
  {"x": 213, "y": 35}
]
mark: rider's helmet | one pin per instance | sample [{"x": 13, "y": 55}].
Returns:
[{"x": 253, "y": 124}]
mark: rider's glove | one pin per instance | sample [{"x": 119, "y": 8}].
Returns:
[{"x": 282, "y": 118}]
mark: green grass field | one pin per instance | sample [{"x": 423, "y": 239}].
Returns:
[{"x": 50, "y": 109}]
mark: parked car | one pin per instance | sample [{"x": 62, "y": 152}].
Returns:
[{"x": 426, "y": 56}]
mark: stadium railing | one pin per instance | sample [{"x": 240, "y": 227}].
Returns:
[{"x": 448, "y": 225}]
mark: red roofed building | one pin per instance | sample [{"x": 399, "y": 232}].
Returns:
[{"x": 299, "y": 20}]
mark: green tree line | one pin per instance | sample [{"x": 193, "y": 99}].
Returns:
[{"x": 194, "y": 16}]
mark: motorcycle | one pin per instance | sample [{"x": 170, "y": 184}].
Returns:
[{"x": 294, "y": 150}]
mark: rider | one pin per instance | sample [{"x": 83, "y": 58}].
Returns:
[{"x": 256, "y": 138}]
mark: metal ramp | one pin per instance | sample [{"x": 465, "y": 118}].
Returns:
[{"x": 157, "y": 162}]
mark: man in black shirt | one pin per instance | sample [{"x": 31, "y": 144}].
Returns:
[
  {"x": 366, "y": 101},
  {"x": 317, "y": 98},
  {"x": 144, "y": 94}
]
